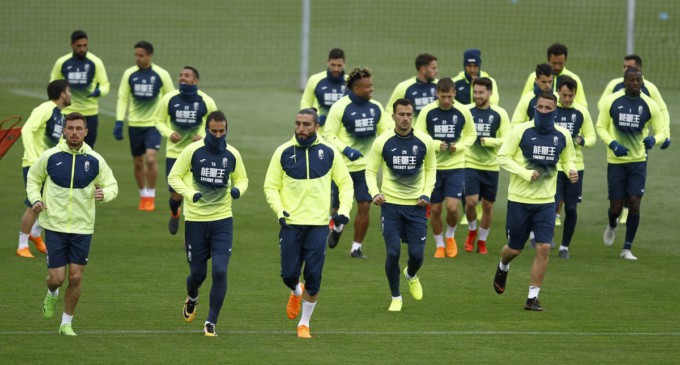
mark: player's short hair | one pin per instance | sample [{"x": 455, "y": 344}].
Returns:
[
  {"x": 404, "y": 102},
  {"x": 544, "y": 69},
  {"x": 357, "y": 74},
  {"x": 568, "y": 81},
  {"x": 312, "y": 112},
  {"x": 55, "y": 88},
  {"x": 75, "y": 116},
  {"x": 557, "y": 49},
  {"x": 446, "y": 84},
  {"x": 631, "y": 70},
  {"x": 483, "y": 81},
  {"x": 636, "y": 58},
  {"x": 195, "y": 71},
  {"x": 78, "y": 34},
  {"x": 548, "y": 95},
  {"x": 148, "y": 47},
  {"x": 336, "y": 53},
  {"x": 424, "y": 59},
  {"x": 217, "y": 116}
]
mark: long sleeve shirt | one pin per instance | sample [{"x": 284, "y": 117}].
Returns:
[{"x": 84, "y": 76}]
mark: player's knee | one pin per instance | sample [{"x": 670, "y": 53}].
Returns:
[
  {"x": 55, "y": 280},
  {"x": 197, "y": 274},
  {"x": 393, "y": 253},
  {"x": 74, "y": 278},
  {"x": 219, "y": 273},
  {"x": 543, "y": 250},
  {"x": 150, "y": 160},
  {"x": 570, "y": 209},
  {"x": 417, "y": 257},
  {"x": 139, "y": 162}
]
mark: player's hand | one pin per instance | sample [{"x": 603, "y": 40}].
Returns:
[
  {"x": 618, "y": 149},
  {"x": 649, "y": 142},
  {"x": 535, "y": 175},
  {"x": 118, "y": 130},
  {"x": 175, "y": 137},
  {"x": 666, "y": 143},
  {"x": 573, "y": 176},
  {"x": 339, "y": 219},
  {"x": 351, "y": 153},
  {"x": 197, "y": 197},
  {"x": 378, "y": 199},
  {"x": 38, "y": 207},
  {"x": 452, "y": 147},
  {"x": 235, "y": 193},
  {"x": 423, "y": 201},
  {"x": 282, "y": 220},
  {"x": 98, "y": 193},
  {"x": 197, "y": 138},
  {"x": 443, "y": 146},
  {"x": 580, "y": 141},
  {"x": 95, "y": 93}
]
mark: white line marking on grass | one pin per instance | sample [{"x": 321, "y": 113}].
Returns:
[
  {"x": 387, "y": 333},
  {"x": 34, "y": 95}
]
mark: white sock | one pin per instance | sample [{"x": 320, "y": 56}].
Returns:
[
  {"x": 356, "y": 246},
  {"x": 397, "y": 298},
  {"x": 66, "y": 319},
  {"x": 564, "y": 248},
  {"x": 307, "y": 310},
  {"x": 36, "y": 230},
  {"x": 23, "y": 240},
  {"x": 557, "y": 216},
  {"x": 53, "y": 293},
  {"x": 531, "y": 235},
  {"x": 472, "y": 225},
  {"x": 150, "y": 193},
  {"x": 339, "y": 227},
  {"x": 439, "y": 240},
  {"x": 142, "y": 193},
  {"x": 483, "y": 233},
  {"x": 503, "y": 266},
  {"x": 298, "y": 290},
  {"x": 450, "y": 231},
  {"x": 533, "y": 292}
]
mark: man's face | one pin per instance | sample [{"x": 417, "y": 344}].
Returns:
[
  {"x": 629, "y": 63},
  {"x": 472, "y": 70},
  {"x": 446, "y": 98},
  {"x": 75, "y": 132},
  {"x": 80, "y": 47},
  {"x": 557, "y": 63},
  {"x": 186, "y": 76},
  {"x": 336, "y": 66},
  {"x": 431, "y": 71},
  {"x": 633, "y": 83},
  {"x": 403, "y": 117},
  {"x": 566, "y": 96},
  {"x": 363, "y": 88},
  {"x": 544, "y": 82},
  {"x": 305, "y": 126},
  {"x": 142, "y": 58},
  {"x": 544, "y": 105},
  {"x": 66, "y": 96},
  {"x": 217, "y": 128},
  {"x": 481, "y": 95}
]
